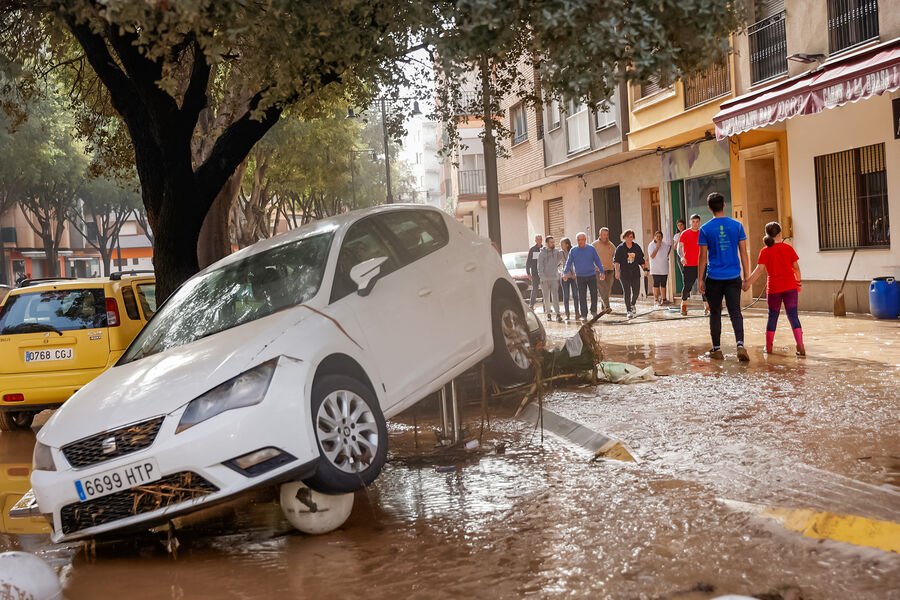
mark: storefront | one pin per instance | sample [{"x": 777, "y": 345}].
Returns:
[{"x": 841, "y": 139}]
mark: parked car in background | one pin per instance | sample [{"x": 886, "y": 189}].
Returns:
[
  {"x": 57, "y": 335},
  {"x": 515, "y": 264},
  {"x": 280, "y": 362}
]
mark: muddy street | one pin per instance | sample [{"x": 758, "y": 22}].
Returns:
[{"x": 717, "y": 444}]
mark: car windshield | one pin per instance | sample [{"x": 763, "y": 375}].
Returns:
[
  {"x": 238, "y": 293},
  {"x": 53, "y": 310},
  {"x": 515, "y": 260}
]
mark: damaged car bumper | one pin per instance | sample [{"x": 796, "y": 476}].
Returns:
[{"x": 144, "y": 473}]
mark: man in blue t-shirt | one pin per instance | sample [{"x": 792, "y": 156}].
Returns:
[
  {"x": 587, "y": 264},
  {"x": 723, "y": 252}
]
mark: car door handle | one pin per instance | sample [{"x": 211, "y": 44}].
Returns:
[
  {"x": 470, "y": 267},
  {"x": 424, "y": 292}
]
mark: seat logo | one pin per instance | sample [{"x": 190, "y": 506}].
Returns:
[{"x": 108, "y": 445}]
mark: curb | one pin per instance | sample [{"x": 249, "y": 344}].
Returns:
[{"x": 601, "y": 445}]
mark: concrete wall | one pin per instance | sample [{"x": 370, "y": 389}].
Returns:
[
  {"x": 632, "y": 177},
  {"x": 851, "y": 126},
  {"x": 556, "y": 141}
]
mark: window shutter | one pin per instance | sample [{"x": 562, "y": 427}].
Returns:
[{"x": 556, "y": 224}]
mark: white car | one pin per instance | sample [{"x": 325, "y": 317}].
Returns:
[{"x": 280, "y": 362}]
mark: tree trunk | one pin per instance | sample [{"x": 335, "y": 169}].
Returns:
[
  {"x": 489, "y": 147},
  {"x": 174, "y": 250},
  {"x": 215, "y": 235},
  {"x": 5, "y": 279},
  {"x": 52, "y": 257}
]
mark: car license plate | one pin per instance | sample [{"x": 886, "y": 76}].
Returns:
[
  {"x": 51, "y": 354},
  {"x": 115, "y": 480}
]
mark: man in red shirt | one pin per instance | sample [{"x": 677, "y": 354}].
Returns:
[{"x": 690, "y": 250}]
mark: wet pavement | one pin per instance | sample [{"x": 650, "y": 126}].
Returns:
[{"x": 541, "y": 519}]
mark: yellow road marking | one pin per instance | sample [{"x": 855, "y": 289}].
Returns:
[{"x": 853, "y": 529}]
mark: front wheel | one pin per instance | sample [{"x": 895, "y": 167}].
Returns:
[
  {"x": 351, "y": 434},
  {"x": 510, "y": 362},
  {"x": 15, "y": 420}
]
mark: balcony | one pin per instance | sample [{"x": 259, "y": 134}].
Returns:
[
  {"x": 768, "y": 48},
  {"x": 472, "y": 182},
  {"x": 851, "y": 22},
  {"x": 708, "y": 85}
]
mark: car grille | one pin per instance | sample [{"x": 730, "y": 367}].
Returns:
[
  {"x": 170, "y": 490},
  {"x": 89, "y": 451}
]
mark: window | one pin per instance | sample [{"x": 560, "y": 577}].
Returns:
[
  {"x": 120, "y": 263},
  {"x": 146, "y": 293},
  {"x": 553, "y": 118},
  {"x": 554, "y": 216},
  {"x": 852, "y": 201},
  {"x": 135, "y": 261},
  {"x": 851, "y": 22},
  {"x": 702, "y": 87},
  {"x": 131, "y": 308},
  {"x": 604, "y": 118},
  {"x": 57, "y": 310},
  {"x": 417, "y": 232},
  {"x": 578, "y": 127},
  {"x": 235, "y": 294},
  {"x": 768, "y": 41},
  {"x": 363, "y": 241},
  {"x": 519, "y": 124},
  {"x": 653, "y": 85}
]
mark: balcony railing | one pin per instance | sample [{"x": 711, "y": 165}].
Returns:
[
  {"x": 472, "y": 182},
  {"x": 851, "y": 22},
  {"x": 705, "y": 86},
  {"x": 768, "y": 48}
]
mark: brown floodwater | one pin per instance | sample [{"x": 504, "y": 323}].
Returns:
[{"x": 540, "y": 519}]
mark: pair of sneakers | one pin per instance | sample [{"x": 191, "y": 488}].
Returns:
[{"x": 742, "y": 354}]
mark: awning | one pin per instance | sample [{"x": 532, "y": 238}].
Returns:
[{"x": 852, "y": 78}]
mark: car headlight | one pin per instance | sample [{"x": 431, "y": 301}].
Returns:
[
  {"x": 246, "y": 389},
  {"x": 42, "y": 459}
]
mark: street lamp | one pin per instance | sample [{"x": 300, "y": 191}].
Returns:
[{"x": 387, "y": 148}]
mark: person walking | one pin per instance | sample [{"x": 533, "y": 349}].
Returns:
[
  {"x": 606, "y": 250},
  {"x": 690, "y": 250},
  {"x": 569, "y": 287},
  {"x": 723, "y": 257},
  {"x": 531, "y": 268},
  {"x": 679, "y": 228},
  {"x": 659, "y": 266},
  {"x": 780, "y": 262},
  {"x": 629, "y": 260},
  {"x": 550, "y": 260},
  {"x": 586, "y": 261}
]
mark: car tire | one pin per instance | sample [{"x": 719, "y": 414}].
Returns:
[
  {"x": 509, "y": 363},
  {"x": 15, "y": 420},
  {"x": 364, "y": 436}
]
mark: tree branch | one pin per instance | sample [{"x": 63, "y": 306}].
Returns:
[{"x": 195, "y": 96}]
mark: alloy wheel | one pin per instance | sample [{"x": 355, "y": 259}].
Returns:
[
  {"x": 516, "y": 337},
  {"x": 347, "y": 431}
]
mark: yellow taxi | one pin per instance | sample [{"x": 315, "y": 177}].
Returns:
[
  {"x": 15, "y": 480},
  {"x": 57, "y": 335}
]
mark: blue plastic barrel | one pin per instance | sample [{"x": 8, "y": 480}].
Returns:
[{"x": 884, "y": 298}]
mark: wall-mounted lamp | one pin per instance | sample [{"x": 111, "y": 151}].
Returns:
[{"x": 802, "y": 57}]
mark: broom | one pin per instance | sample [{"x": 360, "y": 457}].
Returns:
[{"x": 839, "y": 309}]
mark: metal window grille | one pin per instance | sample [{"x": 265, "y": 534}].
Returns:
[
  {"x": 768, "y": 48},
  {"x": 703, "y": 87},
  {"x": 471, "y": 181},
  {"x": 851, "y": 22},
  {"x": 851, "y": 198}
]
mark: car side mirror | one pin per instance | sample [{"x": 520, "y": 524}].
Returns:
[{"x": 366, "y": 273}]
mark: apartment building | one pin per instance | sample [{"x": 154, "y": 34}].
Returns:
[
  {"x": 419, "y": 150},
  {"x": 813, "y": 138}
]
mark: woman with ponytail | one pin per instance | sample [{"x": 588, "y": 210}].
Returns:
[{"x": 783, "y": 285}]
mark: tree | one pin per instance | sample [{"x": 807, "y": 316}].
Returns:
[
  {"x": 162, "y": 63},
  {"x": 105, "y": 205},
  {"x": 42, "y": 167}
]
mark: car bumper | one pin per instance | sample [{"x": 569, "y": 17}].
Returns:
[
  {"x": 281, "y": 421},
  {"x": 44, "y": 390}
]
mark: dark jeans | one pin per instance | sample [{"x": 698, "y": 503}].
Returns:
[
  {"x": 535, "y": 287},
  {"x": 570, "y": 287},
  {"x": 690, "y": 278},
  {"x": 585, "y": 284},
  {"x": 730, "y": 290},
  {"x": 632, "y": 286}
]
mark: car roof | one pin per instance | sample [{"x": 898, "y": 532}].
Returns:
[
  {"x": 68, "y": 284},
  {"x": 329, "y": 225}
]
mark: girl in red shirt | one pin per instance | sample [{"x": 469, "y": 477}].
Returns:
[{"x": 783, "y": 285}]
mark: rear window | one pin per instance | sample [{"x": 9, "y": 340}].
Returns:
[
  {"x": 131, "y": 308},
  {"x": 147, "y": 296},
  {"x": 515, "y": 260},
  {"x": 54, "y": 310}
]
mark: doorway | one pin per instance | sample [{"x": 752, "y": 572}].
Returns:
[
  {"x": 608, "y": 212},
  {"x": 762, "y": 194}
]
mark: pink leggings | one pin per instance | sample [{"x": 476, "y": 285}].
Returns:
[{"x": 790, "y": 299}]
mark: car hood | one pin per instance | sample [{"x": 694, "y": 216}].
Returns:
[{"x": 160, "y": 383}]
